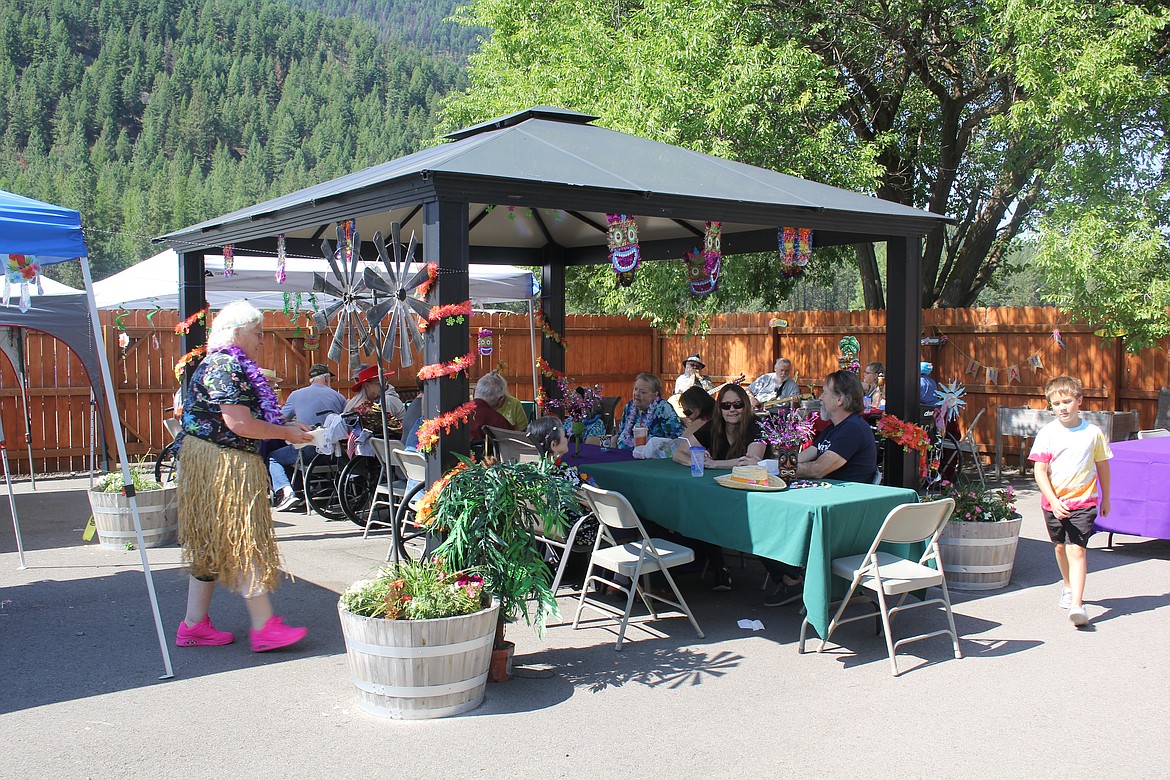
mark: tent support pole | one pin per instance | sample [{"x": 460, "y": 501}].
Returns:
[
  {"x": 23, "y": 379},
  {"x": 532, "y": 353},
  {"x": 92, "y": 436},
  {"x": 124, "y": 459},
  {"x": 12, "y": 499}
]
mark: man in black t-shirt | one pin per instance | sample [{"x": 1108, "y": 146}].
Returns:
[{"x": 846, "y": 450}]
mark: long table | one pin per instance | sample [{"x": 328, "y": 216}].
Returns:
[
  {"x": 806, "y": 527},
  {"x": 1139, "y": 489}
]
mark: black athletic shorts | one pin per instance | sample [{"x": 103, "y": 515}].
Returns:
[{"x": 1074, "y": 529}]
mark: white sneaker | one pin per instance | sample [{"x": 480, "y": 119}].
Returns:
[
  {"x": 288, "y": 499},
  {"x": 1078, "y": 616},
  {"x": 1065, "y": 598}
]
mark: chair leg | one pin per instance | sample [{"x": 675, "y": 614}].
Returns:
[
  {"x": 682, "y": 602},
  {"x": 951, "y": 619},
  {"x": 584, "y": 590},
  {"x": 634, "y": 589},
  {"x": 885, "y": 610}
]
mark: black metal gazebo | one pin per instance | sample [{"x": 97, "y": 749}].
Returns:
[{"x": 534, "y": 188}]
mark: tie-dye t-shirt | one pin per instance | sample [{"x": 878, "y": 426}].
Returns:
[{"x": 1071, "y": 455}]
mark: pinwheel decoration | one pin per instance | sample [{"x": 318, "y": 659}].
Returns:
[
  {"x": 950, "y": 399},
  {"x": 400, "y": 306},
  {"x": 353, "y": 297}
]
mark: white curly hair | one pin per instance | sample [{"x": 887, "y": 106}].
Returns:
[{"x": 234, "y": 317}]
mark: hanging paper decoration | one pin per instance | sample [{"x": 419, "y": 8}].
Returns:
[
  {"x": 1036, "y": 362},
  {"x": 485, "y": 342},
  {"x": 23, "y": 270},
  {"x": 1056, "y": 337},
  {"x": 150, "y": 315},
  {"x": 703, "y": 267},
  {"x": 120, "y": 319},
  {"x": 972, "y": 366},
  {"x": 124, "y": 341},
  {"x": 154, "y": 343},
  {"x": 992, "y": 375},
  {"x": 950, "y": 398},
  {"x": 281, "y": 257},
  {"x": 1014, "y": 375},
  {"x": 849, "y": 350},
  {"x": 312, "y": 340},
  {"x": 229, "y": 261},
  {"x": 795, "y": 249},
  {"x": 623, "y": 247}
]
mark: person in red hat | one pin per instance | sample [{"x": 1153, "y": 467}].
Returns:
[{"x": 365, "y": 389}]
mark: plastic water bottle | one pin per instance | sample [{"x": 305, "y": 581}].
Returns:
[{"x": 697, "y": 456}]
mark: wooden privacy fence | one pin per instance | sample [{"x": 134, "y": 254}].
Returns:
[{"x": 605, "y": 350}]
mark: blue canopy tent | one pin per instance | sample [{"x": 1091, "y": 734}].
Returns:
[{"x": 35, "y": 234}]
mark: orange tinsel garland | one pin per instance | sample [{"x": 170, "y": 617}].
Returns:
[
  {"x": 437, "y": 370},
  {"x": 187, "y": 359},
  {"x": 424, "y": 289},
  {"x": 428, "y": 432},
  {"x": 185, "y": 325},
  {"x": 426, "y": 505},
  {"x": 906, "y": 435}
]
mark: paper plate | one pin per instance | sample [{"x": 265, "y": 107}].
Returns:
[{"x": 774, "y": 484}]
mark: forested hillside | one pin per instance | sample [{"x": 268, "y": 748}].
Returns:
[
  {"x": 421, "y": 23},
  {"x": 148, "y": 115}
]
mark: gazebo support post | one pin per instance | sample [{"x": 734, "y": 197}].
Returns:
[
  {"x": 552, "y": 305},
  {"x": 192, "y": 297},
  {"x": 445, "y": 244},
  {"x": 903, "y": 326}
]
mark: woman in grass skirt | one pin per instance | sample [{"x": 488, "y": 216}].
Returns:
[{"x": 225, "y": 520}]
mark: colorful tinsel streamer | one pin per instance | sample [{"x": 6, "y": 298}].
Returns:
[
  {"x": 229, "y": 261},
  {"x": 451, "y": 312},
  {"x": 185, "y": 325},
  {"x": 424, "y": 289},
  {"x": 428, "y": 432},
  {"x": 906, "y": 435},
  {"x": 281, "y": 258},
  {"x": 450, "y": 368},
  {"x": 795, "y": 249},
  {"x": 192, "y": 356}
]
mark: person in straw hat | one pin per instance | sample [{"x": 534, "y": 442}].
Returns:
[
  {"x": 225, "y": 522},
  {"x": 691, "y": 376}
]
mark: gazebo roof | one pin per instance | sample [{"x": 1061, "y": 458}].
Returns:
[{"x": 548, "y": 176}]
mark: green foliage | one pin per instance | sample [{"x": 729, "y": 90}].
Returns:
[
  {"x": 978, "y": 110},
  {"x": 488, "y": 512},
  {"x": 113, "y": 481},
  {"x": 415, "y": 590},
  {"x": 147, "y": 119},
  {"x": 421, "y": 23}
]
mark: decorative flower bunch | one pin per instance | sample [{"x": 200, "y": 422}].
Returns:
[
  {"x": 979, "y": 504},
  {"x": 185, "y": 326},
  {"x": 428, "y": 432},
  {"x": 787, "y": 430},
  {"x": 546, "y": 370},
  {"x": 906, "y": 435},
  {"x": 542, "y": 323},
  {"x": 416, "y": 590},
  {"x": 573, "y": 405},
  {"x": 450, "y": 368},
  {"x": 187, "y": 359},
  {"x": 424, "y": 288}
]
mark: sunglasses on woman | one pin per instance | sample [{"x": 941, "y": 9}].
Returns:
[
  {"x": 730, "y": 405},
  {"x": 689, "y": 413}
]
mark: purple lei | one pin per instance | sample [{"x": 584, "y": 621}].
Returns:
[{"x": 268, "y": 402}]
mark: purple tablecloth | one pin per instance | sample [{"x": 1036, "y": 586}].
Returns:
[
  {"x": 591, "y": 453},
  {"x": 1139, "y": 494}
]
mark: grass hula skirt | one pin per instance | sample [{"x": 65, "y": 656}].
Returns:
[{"x": 225, "y": 521}]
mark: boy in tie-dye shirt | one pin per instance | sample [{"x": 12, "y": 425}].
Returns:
[{"x": 1071, "y": 459}]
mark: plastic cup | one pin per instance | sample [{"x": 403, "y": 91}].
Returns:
[
  {"x": 771, "y": 465},
  {"x": 605, "y": 444},
  {"x": 697, "y": 456},
  {"x": 640, "y": 435}
]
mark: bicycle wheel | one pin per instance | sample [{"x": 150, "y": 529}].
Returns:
[
  {"x": 164, "y": 466},
  {"x": 321, "y": 479},
  {"x": 356, "y": 486}
]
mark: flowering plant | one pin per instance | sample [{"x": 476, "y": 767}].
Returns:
[
  {"x": 575, "y": 405},
  {"x": 416, "y": 590},
  {"x": 787, "y": 430},
  {"x": 906, "y": 435},
  {"x": 977, "y": 503}
]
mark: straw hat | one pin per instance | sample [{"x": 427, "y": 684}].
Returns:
[{"x": 694, "y": 359}]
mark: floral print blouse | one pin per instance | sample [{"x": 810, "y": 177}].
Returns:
[
  {"x": 219, "y": 380},
  {"x": 659, "y": 419}
]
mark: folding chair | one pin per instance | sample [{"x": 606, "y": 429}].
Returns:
[
  {"x": 414, "y": 466},
  {"x": 507, "y": 444},
  {"x": 1153, "y": 433},
  {"x": 888, "y": 575},
  {"x": 967, "y": 445},
  {"x": 561, "y": 547},
  {"x": 632, "y": 559},
  {"x": 608, "y": 405},
  {"x": 384, "y": 491}
]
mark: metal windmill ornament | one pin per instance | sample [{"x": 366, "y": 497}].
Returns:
[
  {"x": 399, "y": 305},
  {"x": 353, "y": 298}
]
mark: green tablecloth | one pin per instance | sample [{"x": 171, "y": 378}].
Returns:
[{"x": 806, "y": 527}]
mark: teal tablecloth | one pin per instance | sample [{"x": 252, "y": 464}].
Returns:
[{"x": 806, "y": 527}]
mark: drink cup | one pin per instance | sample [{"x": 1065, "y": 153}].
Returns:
[
  {"x": 640, "y": 435},
  {"x": 771, "y": 465},
  {"x": 869, "y": 402},
  {"x": 605, "y": 444},
  {"x": 697, "y": 456}
]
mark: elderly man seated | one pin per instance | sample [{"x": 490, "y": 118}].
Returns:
[
  {"x": 777, "y": 386},
  {"x": 365, "y": 390},
  {"x": 310, "y": 405},
  {"x": 490, "y": 392}
]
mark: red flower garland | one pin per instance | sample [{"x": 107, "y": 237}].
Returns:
[
  {"x": 185, "y": 325},
  {"x": 424, "y": 289},
  {"x": 187, "y": 359},
  {"x": 438, "y": 370},
  {"x": 538, "y": 317},
  {"x": 546, "y": 370},
  {"x": 450, "y": 312},
  {"x": 428, "y": 432},
  {"x": 906, "y": 435}
]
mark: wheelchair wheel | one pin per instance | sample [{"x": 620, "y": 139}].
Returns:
[
  {"x": 409, "y": 530},
  {"x": 355, "y": 489},
  {"x": 164, "y": 467},
  {"x": 321, "y": 480}
]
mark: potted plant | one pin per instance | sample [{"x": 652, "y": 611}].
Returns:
[
  {"x": 489, "y": 512},
  {"x": 419, "y": 639},
  {"x": 787, "y": 432},
  {"x": 978, "y": 544},
  {"x": 158, "y": 510}
]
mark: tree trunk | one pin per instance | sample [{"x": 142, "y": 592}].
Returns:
[{"x": 871, "y": 280}]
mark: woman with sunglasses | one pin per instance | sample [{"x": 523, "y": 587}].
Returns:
[
  {"x": 732, "y": 436},
  {"x": 697, "y": 407}
]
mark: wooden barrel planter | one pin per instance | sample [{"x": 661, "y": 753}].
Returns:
[
  {"x": 979, "y": 556},
  {"x": 416, "y": 669},
  {"x": 158, "y": 512}
]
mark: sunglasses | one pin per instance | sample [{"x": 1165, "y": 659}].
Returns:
[
  {"x": 688, "y": 412},
  {"x": 731, "y": 405}
]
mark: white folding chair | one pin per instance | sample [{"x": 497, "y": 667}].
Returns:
[
  {"x": 562, "y": 546},
  {"x": 967, "y": 445},
  {"x": 632, "y": 560},
  {"x": 414, "y": 466},
  {"x": 888, "y": 575},
  {"x": 1153, "y": 433},
  {"x": 386, "y": 489}
]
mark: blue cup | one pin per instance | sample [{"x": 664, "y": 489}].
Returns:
[{"x": 697, "y": 456}]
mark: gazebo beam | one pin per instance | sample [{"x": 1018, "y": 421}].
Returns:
[{"x": 903, "y": 326}]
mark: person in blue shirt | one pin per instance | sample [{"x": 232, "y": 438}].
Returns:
[{"x": 927, "y": 387}]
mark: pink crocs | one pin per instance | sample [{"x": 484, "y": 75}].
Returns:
[
  {"x": 276, "y": 634},
  {"x": 202, "y": 633}
]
